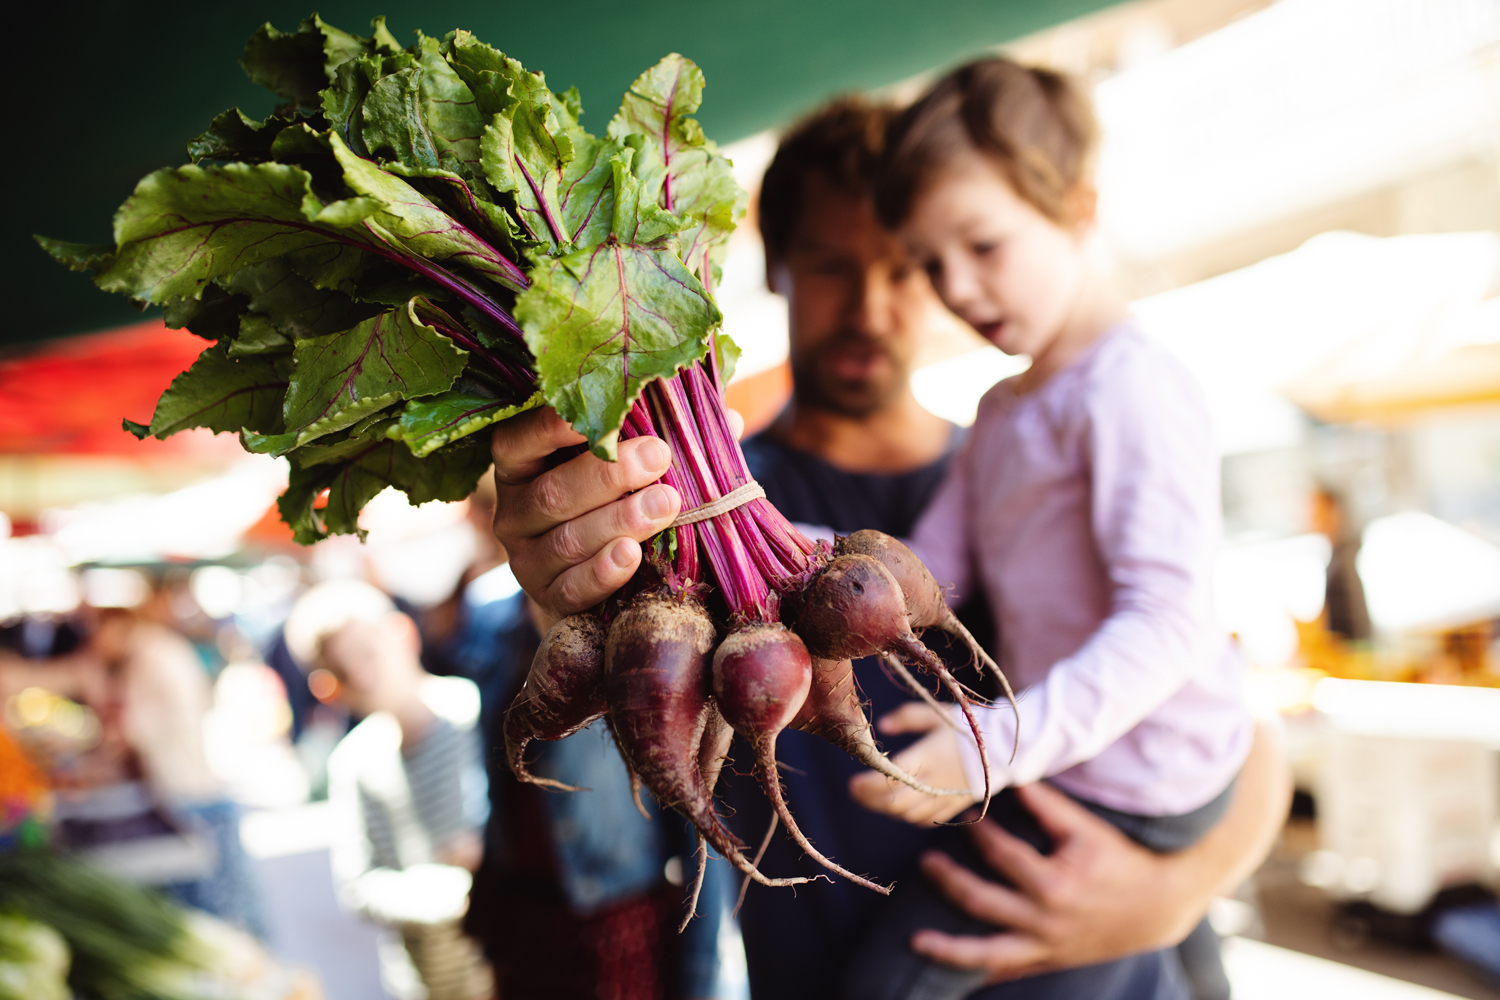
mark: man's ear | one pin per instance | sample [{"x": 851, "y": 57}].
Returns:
[{"x": 778, "y": 276}]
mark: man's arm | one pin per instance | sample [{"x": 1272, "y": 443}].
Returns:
[{"x": 1099, "y": 896}]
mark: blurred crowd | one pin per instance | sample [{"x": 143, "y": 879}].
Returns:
[{"x": 146, "y": 725}]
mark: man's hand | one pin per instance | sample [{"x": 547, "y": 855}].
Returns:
[
  {"x": 573, "y": 532},
  {"x": 936, "y": 759},
  {"x": 1097, "y": 897}
]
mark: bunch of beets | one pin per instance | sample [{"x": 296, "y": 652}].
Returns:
[{"x": 420, "y": 242}]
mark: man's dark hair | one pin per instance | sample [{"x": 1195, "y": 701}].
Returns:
[{"x": 842, "y": 142}]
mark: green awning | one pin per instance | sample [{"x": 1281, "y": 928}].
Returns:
[{"x": 102, "y": 93}]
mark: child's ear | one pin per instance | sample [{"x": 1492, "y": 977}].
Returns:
[{"x": 1081, "y": 203}]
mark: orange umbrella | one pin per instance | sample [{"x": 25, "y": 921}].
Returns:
[{"x": 68, "y": 396}]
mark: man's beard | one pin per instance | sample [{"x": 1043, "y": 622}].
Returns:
[{"x": 816, "y": 387}]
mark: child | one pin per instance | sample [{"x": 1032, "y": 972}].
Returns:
[
  {"x": 1084, "y": 506},
  {"x": 406, "y": 787}
]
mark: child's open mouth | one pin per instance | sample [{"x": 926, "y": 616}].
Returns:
[{"x": 992, "y": 330}]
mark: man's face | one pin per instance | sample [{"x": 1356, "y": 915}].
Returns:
[
  {"x": 857, "y": 304},
  {"x": 374, "y": 662}
]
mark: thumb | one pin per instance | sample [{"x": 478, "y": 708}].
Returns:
[{"x": 913, "y": 717}]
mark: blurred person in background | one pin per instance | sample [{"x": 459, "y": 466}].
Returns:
[
  {"x": 855, "y": 450},
  {"x": 147, "y": 687},
  {"x": 163, "y": 695},
  {"x": 573, "y": 899},
  {"x": 1344, "y": 610},
  {"x": 406, "y": 786}
]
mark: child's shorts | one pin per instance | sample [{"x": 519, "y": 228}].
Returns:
[{"x": 885, "y": 967}]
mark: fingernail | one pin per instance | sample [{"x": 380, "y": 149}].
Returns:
[
  {"x": 623, "y": 553},
  {"x": 654, "y": 455},
  {"x": 656, "y": 503}
]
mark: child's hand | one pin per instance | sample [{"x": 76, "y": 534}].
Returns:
[{"x": 936, "y": 759}]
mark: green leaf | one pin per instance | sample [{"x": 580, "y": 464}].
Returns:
[
  {"x": 342, "y": 378},
  {"x": 425, "y": 116},
  {"x": 258, "y": 335},
  {"x": 266, "y": 444},
  {"x": 448, "y": 474},
  {"x": 288, "y": 64},
  {"x": 183, "y": 228},
  {"x": 234, "y": 135},
  {"x": 296, "y": 65},
  {"x": 409, "y": 221},
  {"x": 343, "y": 101},
  {"x": 496, "y": 80},
  {"x": 684, "y": 171},
  {"x": 605, "y": 320},
  {"x": 222, "y": 394},
  {"x": 215, "y": 316},
  {"x": 456, "y": 196},
  {"x": 728, "y": 353},
  {"x": 291, "y": 304},
  {"x": 638, "y": 218},
  {"x": 96, "y": 257},
  {"x": 568, "y": 106},
  {"x": 429, "y": 423},
  {"x": 559, "y": 175}
]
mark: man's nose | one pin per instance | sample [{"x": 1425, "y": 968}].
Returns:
[{"x": 871, "y": 307}]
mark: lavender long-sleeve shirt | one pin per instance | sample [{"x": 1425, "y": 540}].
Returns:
[{"x": 1087, "y": 511}]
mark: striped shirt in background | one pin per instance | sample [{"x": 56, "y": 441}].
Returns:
[{"x": 395, "y": 811}]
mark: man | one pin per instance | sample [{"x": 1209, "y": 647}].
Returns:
[{"x": 855, "y": 450}]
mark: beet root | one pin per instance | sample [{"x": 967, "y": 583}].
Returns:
[
  {"x": 898, "y": 672},
  {"x": 855, "y": 607},
  {"x": 761, "y": 675},
  {"x": 656, "y": 686},
  {"x": 563, "y": 693},
  {"x": 833, "y": 712},
  {"x": 713, "y": 751},
  {"x": 925, "y": 605}
]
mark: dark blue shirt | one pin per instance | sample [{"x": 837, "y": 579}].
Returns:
[{"x": 796, "y": 940}]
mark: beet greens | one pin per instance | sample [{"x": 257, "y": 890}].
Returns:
[{"x": 419, "y": 242}]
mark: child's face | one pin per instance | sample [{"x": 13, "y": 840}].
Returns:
[{"x": 1001, "y": 265}]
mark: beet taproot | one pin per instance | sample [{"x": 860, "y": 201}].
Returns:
[
  {"x": 855, "y": 607},
  {"x": 761, "y": 676},
  {"x": 656, "y": 685},
  {"x": 563, "y": 693}
]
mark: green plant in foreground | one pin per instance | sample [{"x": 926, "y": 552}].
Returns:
[{"x": 417, "y": 243}]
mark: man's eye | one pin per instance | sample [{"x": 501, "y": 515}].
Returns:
[
  {"x": 827, "y": 268},
  {"x": 984, "y": 247}
]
